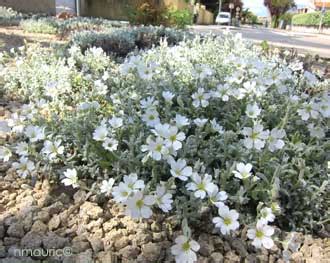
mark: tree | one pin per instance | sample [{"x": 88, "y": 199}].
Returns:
[
  {"x": 277, "y": 8},
  {"x": 249, "y": 17}
]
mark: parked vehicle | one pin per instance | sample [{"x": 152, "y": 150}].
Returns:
[{"x": 223, "y": 18}]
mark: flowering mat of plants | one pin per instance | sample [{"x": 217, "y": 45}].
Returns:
[{"x": 192, "y": 149}]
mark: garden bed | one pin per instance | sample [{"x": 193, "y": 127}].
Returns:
[{"x": 166, "y": 147}]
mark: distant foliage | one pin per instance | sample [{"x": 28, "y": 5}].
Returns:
[
  {"x": 180, "y": 18},
  {"x": 148, "y": 12},
  {"x": 278, "y": 8},
  {"x": 311, "y": 19}
]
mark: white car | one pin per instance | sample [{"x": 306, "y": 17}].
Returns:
[{"x": 223, "y": 18}]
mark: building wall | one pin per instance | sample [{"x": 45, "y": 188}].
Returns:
[{"x": 31, "y": 6}]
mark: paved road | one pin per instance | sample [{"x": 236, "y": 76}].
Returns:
[{"x": 304, "y": 42}]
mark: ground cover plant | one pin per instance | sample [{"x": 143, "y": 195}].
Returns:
[{"x": 209, "y": 123}]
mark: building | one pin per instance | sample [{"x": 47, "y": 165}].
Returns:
[
  {"x": 320, "y": 4},
  {"x": 306, "y": 7}
]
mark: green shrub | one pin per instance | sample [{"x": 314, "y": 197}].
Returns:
[
  {"x": 148, "y": 12},
  {"x": 180, "y": 18},
  {"x": 311, "y": 19}
]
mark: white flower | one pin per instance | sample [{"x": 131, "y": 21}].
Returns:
[
  {"x": 155, "y": 148},
  {"x": 316, "y": 131},
  {"x": 310, "y": 77},
  {"x": 24, "y": 167},
  {"x": 217, "y": 127},
  {"x": 148, "y": 103},
  {"x": 100, "y": 88},
  {"x": 145, "y": 72},
  {"x": 100, "y": 133},
  {"x": 168, "y": 96},
  {"x": 162, "y": 130},
  {"x": 274, "y": 139},
  {"x": 200, "y": 122},
  {"x": 121, "y": 192},
  {"x": 106, "y": 186},
  {"x": 250, "y": 86},
  {"x": 116, "y": 122},
  {"x": 133, "y": 182},
  {"x": 221, "y": 92},
  {"x": 35, "y": 133},
  {"x": 217, "y": 197},
  {"x": 174, "y": 138},
  {"x": 255, "y": 137},
  {"x": 261, "y": 235},
  {"x": 71, "y": 178},
  {"x": 227, "y": 220},
  {"x": 252, "y": 110},
  {"x": 185, "y": 250},
  {"x": 181, "y": 121},
  {"x": 110, "y": 144},
  {"x": 200, "y": 185},
  {"x": 52, "y": 149},
  {"x": 16, "y": 122},
  {"x": 88, "y": 105},
  {"x": 201, "y": 98},
  {"x": 5, "y": 153},
  {"x": 202, "y": 71},
  {"x": 309, "y": 110},
  {"x": 151, "y": 117},
  {"x": 139, "y": 206},
  {"x": 266, "y": 215},
  {"x": 163, "y": 198},
  {"x": 179, "y": 169},
  {"x": 243, "y": 170}
]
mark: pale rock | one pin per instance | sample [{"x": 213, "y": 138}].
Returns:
[{"x": 16, "y": 230}]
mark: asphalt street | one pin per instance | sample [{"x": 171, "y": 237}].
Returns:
[{"x": 315, "y": 44}]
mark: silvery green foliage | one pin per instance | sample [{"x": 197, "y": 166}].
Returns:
[
  {"x": 122, "y": 41},
  {"x": 45, "y": 25},
  {"x": 51, "y": 25},
  {"x": 231, "y": 118},
  {"x": 9, "y": 17}
]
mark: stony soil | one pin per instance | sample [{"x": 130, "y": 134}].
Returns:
[{"x": 96, "y": 230}]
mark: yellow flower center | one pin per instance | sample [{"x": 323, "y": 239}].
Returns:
[
  {"x": 201, "y": 186},
  {"x": 227, "y": 221},
  {"x": 124, "y": 193},
  {"x": 173, "y": 138},
  {"x": 139, "y": 203},
  {"x": 254, "y": 135},
  {"x": 259, "y": 234},
  {"x": 158, "y": 147},
  {"x": 186, "y": 246}
]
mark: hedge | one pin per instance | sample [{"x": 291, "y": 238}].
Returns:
[{"x": 311, "y": 19}]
